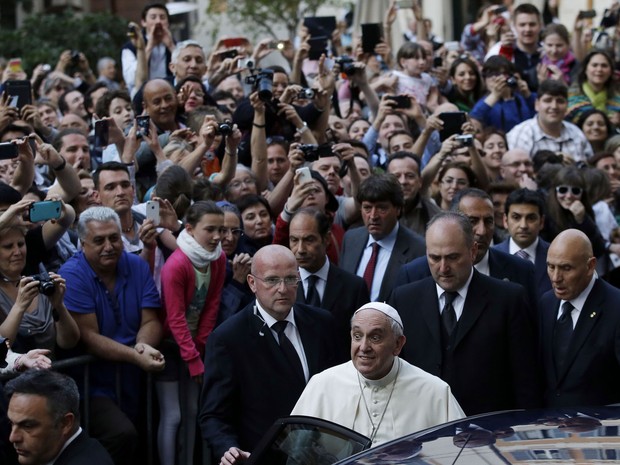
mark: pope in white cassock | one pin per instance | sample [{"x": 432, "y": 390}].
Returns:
[{"x": 377, "y": 393}]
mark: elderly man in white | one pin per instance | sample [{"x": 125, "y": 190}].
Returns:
[{"x": 377, "y": 393}]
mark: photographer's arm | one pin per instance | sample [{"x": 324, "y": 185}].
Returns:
[{"x": 258, "y": 143}]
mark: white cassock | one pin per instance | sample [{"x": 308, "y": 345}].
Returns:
[{"x": 419, "y": 400}]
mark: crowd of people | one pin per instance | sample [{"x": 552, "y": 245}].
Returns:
[{"x": 387, "y": 238}]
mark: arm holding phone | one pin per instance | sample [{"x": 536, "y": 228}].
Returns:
[
  {"x": 54, "y": 229},
  {"x": 68, "y": 186}
]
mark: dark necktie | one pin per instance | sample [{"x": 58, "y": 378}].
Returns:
[
  {"x": 369, "y": 272},
  {"x": 523, "y": 254},
  {"x": 288, "y": 349},
  {"x": 312, "y": 295},
  {"x": 561, "y": 335},
  {"x": 448, "y": 315}
]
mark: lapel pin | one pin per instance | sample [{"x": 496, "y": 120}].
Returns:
[{"x": 592, "y": 315}]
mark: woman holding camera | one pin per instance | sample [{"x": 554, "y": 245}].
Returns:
[
  {"x": 509, "y": 101},
  {"x": 32, "y": 310}
]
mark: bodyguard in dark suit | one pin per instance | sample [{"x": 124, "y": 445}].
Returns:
[
  {"x": 478, "y": 207},
  {"x": 323, "y": 284},
  {"x": 524, "y": 219},
  {"x": 258, "y": 361},
  {"x": 44, "y": 409},
  {"x": 580, "y": 327},
  {"x": 467, "y": 328},
  {"x": 382, "y": 243}
]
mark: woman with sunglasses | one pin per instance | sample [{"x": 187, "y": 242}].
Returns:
[{"x": 568, "y": 206}]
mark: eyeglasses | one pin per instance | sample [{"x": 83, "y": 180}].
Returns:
[
  {"x": 563, "y": 190},
  {"x": 458, "y": 182},
  {"x": 236, "y": 232},
  {"x": 289, "y": 281}
]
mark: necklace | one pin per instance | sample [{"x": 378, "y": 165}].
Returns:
[
  {"x": 375, "y": 428},
  {"x": 129, "y": 229}
]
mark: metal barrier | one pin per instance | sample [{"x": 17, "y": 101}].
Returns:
[{"x": 86, "y": 360}]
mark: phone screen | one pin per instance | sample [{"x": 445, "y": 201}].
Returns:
[
  {"x": 371, "y": 36},
  {"x": 452, "y": 122},
  {"x": 143, "y": 125},
  {"x": 19, "y": 92},
  {"x": 102, "y": 128}
]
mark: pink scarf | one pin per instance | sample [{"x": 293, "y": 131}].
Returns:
[{"x": 565, "y": 64}]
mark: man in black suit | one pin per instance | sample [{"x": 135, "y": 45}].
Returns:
[
  {"x": 467, "y": 328},
  {"x": 478, "y": 207},
  {"x": 580, "y": 327},
  {"x": 323, "y": 284},
  {"x": 524, "y": 218},
  {"x": 377, "y": 250},
  {"x": 259, "y": 360},
  {"x": 44, "y": 410}
]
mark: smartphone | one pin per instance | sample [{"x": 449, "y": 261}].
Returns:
[
  {"x": 304, "y": 175},
  {"x": 320, "y": 25},
  {"x": 500, "y": 9},
  {"x": 452, "y": 122},
  {"x": 8, "y": 150},
  {"x": 102, "y": 129},
  {"x": 144, "y": 123},
  {"x": 19, "y": 92},
  {"x": 46, "y": 210},
  {"x": 235, "y": 42},
  {"x": 131, "y": 30},
  {"x": 15, "y": 65},
  {"x": 232, "y": 53},
  {"x": 402, "y": 101},
  {"x": 152, "y": 211},
  {"x": 277, "y": 45},
  {"x": 586, "y": 14},
  {"x": 318, "y": 47},
  {"x": 437, "y": 62},
  {"x": 372, "y": 34}
]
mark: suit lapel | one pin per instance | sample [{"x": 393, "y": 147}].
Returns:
[
  {"x": 430, "y": 311},
  {"x": 401, "y": 246},
  {"x": 331, "y": 292},
  {"x": 549, "y": 317},
  {"x": 357, "y": 245},
  {"x": 588, "y": 317},
  {"x": 475, "y": 304},
  {"x": 309, "y": 339}
]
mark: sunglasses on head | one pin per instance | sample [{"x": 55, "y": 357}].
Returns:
[{"x": 563, "y": 190}]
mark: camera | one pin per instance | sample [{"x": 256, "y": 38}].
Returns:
[
  {"x": 305, "y": 94},
  {"x": 512, "y": 82},
  {"x": 262, "y": 83},
  {"x": 224, "y": 129},
  {"x": 131, "y": 30},
  {"x": 313, "y": 152},
  {"x": 46, "y": 285},
  {"x": 245, "y": 63},
  {"x": 346, "y": 65},
  {"x": 75, "y": 56},
  {"x": 466, "y": 140}
]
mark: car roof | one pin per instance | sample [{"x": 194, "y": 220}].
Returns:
[{"x": 575, "y": 435}]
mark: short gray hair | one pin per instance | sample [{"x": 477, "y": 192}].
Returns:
[
  {"x": 183, "y": 45},
  {"x": 102, "y": 63},
  {"x": 101, "y": 214}
]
